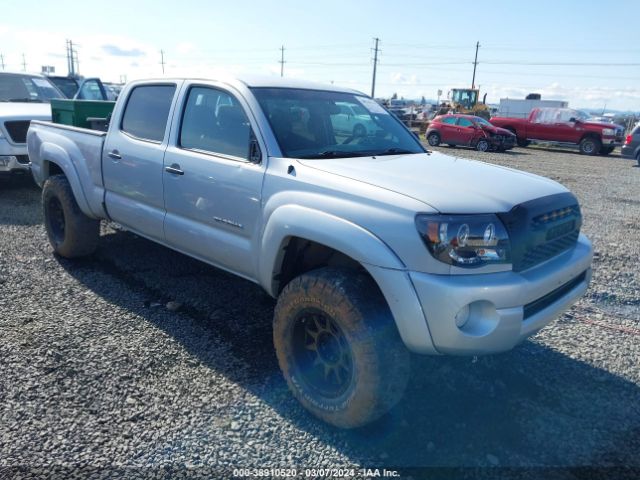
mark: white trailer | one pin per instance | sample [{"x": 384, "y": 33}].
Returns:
[{"x": 520, "y": 108}]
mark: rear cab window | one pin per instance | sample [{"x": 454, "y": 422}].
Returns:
[{"x": 147, "y": 112}]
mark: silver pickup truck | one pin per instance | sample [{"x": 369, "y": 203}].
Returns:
[{"x": 373, "y": 246}]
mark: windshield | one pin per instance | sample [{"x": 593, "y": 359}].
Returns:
[
  {"x": 482, "y": 121},
  {"x": 26, "y": 88},
  {"x": 320, "y": 124}
]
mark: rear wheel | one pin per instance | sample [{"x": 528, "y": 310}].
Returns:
[
  {"x": 590, "y": 146},
  {"x": 71, "y": 233},
  {"x": 338, "y": 347},
  {"x": 434, "y": 139}
]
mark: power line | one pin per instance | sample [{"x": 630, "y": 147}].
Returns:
[
  {"x": 2, "y": 60},
  {"x": 24, "y": 63},
  {"x": 162, "y": 60},
  {"x": 375, "y": 65}
]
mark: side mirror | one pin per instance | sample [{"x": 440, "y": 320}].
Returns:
[
  {"x": 574, "y": 120},
  {"x": 255, "y": 155}
]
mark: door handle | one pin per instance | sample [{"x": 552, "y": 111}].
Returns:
[
  {"x": 174, "y": 169},
  {"x": 114, "y": 154}
]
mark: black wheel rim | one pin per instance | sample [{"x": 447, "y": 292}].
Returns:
[
  {"x": 433, "y": 140},
  {"x": 55, "y": 214},
  {"x": 322, "y": 354}
]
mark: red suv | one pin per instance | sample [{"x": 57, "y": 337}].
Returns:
[{"x": 469, "y": 131}]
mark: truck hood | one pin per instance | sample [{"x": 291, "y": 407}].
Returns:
[
  {"x": 445, "y": 183},
  {"x": 603, "y": 125},
  {"x": 25, "y": 111}
]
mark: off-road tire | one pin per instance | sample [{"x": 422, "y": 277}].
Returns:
[
  {"x": 433, "y": 139},
  {"x": 379, "y": 358},
  {"x": 71, "y": 233},
  {"x": 590, "y": 146},
  {"x": 482, "y": 145}
]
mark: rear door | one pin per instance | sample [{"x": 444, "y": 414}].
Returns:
[
  {"x": 212, "y": 190},
  {"x": 448, "y": 130},
  {"x": 133, "y": 159}
]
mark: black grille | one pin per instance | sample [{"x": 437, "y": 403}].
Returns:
[
  {"x": 541, "y": 229},
  {"x": 17, "y": 130},
  {"x": 534, "y": 307},
  {"x": 23, "y": 159}
]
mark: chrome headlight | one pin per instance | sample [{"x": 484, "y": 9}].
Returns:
[
  {"x": 609, "y": 132},
  {"x": 465, "y": 240}
]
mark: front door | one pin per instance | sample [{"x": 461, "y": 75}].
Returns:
[
  {"x": 133, "y": 160},
  {"x": 212, "y": 190},
  {"x": 465, "y": 131}
]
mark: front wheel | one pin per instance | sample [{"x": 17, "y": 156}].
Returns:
[
  {"x": 523, "y": 142},
  {"x": 338, "y": 347},
  {"x": 71, "y": 233},
  {"x": 482, "y": 145},
  {"x": 590, "y": 146}
]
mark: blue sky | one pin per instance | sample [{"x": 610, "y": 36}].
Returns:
[{"x": 582, "y": 51}]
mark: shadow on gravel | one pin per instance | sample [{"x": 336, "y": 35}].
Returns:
[
  {"x": 17, "y": 197},
  {"x": 532, "y": 406}
]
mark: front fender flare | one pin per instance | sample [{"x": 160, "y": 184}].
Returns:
[{"x": 334, "y": 232}]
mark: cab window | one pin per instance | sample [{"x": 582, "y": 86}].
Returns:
[
  {"x": 147, "y": 112},
  {"x": 214, "y": 121}
]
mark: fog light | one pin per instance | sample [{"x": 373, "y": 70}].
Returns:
[
  {"x": 462, "y": 316},
  {"x": 5, "y": 160}
]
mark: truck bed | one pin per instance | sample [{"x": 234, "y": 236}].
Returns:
[{"x": 79, "y": 153}]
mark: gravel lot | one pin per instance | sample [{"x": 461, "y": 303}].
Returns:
[{"x": 142, "y": 362}]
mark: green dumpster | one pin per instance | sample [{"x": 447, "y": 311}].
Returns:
[{"x": 80, "y": 113}]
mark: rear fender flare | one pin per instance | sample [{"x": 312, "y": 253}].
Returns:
[{"x": 51, "y": 153}]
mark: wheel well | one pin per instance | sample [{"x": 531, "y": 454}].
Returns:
[
  {"x": 54, "y": 169},
  {"x": 302, "y": 255},
  {"x": 595, "y": 136},
  {"x": 511, "y": 129}
]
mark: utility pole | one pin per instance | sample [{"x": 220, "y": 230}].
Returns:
[
  {"x": 475, "y": 64},
  {"x": 24, "y": 63},
  {"x": 162, "y": 60},
  {"x": 2, "y": 61},
  {"x": 73, "y": 64},
  {"x": 281, "y": 62},
  {"x": 375, "y": 65}
]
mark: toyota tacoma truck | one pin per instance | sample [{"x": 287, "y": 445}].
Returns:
[
  {"x": 373, "y": 246},
  {"x": 565, "y": 127},
  {"x": 23, "y": 97}
]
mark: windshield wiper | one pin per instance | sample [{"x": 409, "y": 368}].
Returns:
[
  {"x": 395, "y": 151},
  {"x": 34, "y": 100},
  {"x": 336, "y": 154}
]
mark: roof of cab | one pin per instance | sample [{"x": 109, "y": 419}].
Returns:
[{"x": 254, "y": 81}]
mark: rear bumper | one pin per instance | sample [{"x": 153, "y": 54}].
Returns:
[
  {"x": 504, "y": 308},
  {"x": 629, "y": 151}
]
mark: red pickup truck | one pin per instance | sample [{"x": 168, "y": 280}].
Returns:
[{"x": 566, "y": 127}]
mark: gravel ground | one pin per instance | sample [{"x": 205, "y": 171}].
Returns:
[{"x": 141, "y": 362}]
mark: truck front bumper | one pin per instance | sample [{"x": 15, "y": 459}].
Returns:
[
  {"x": 13, "y": 160},
  {"x": 488, "y": 313}
]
